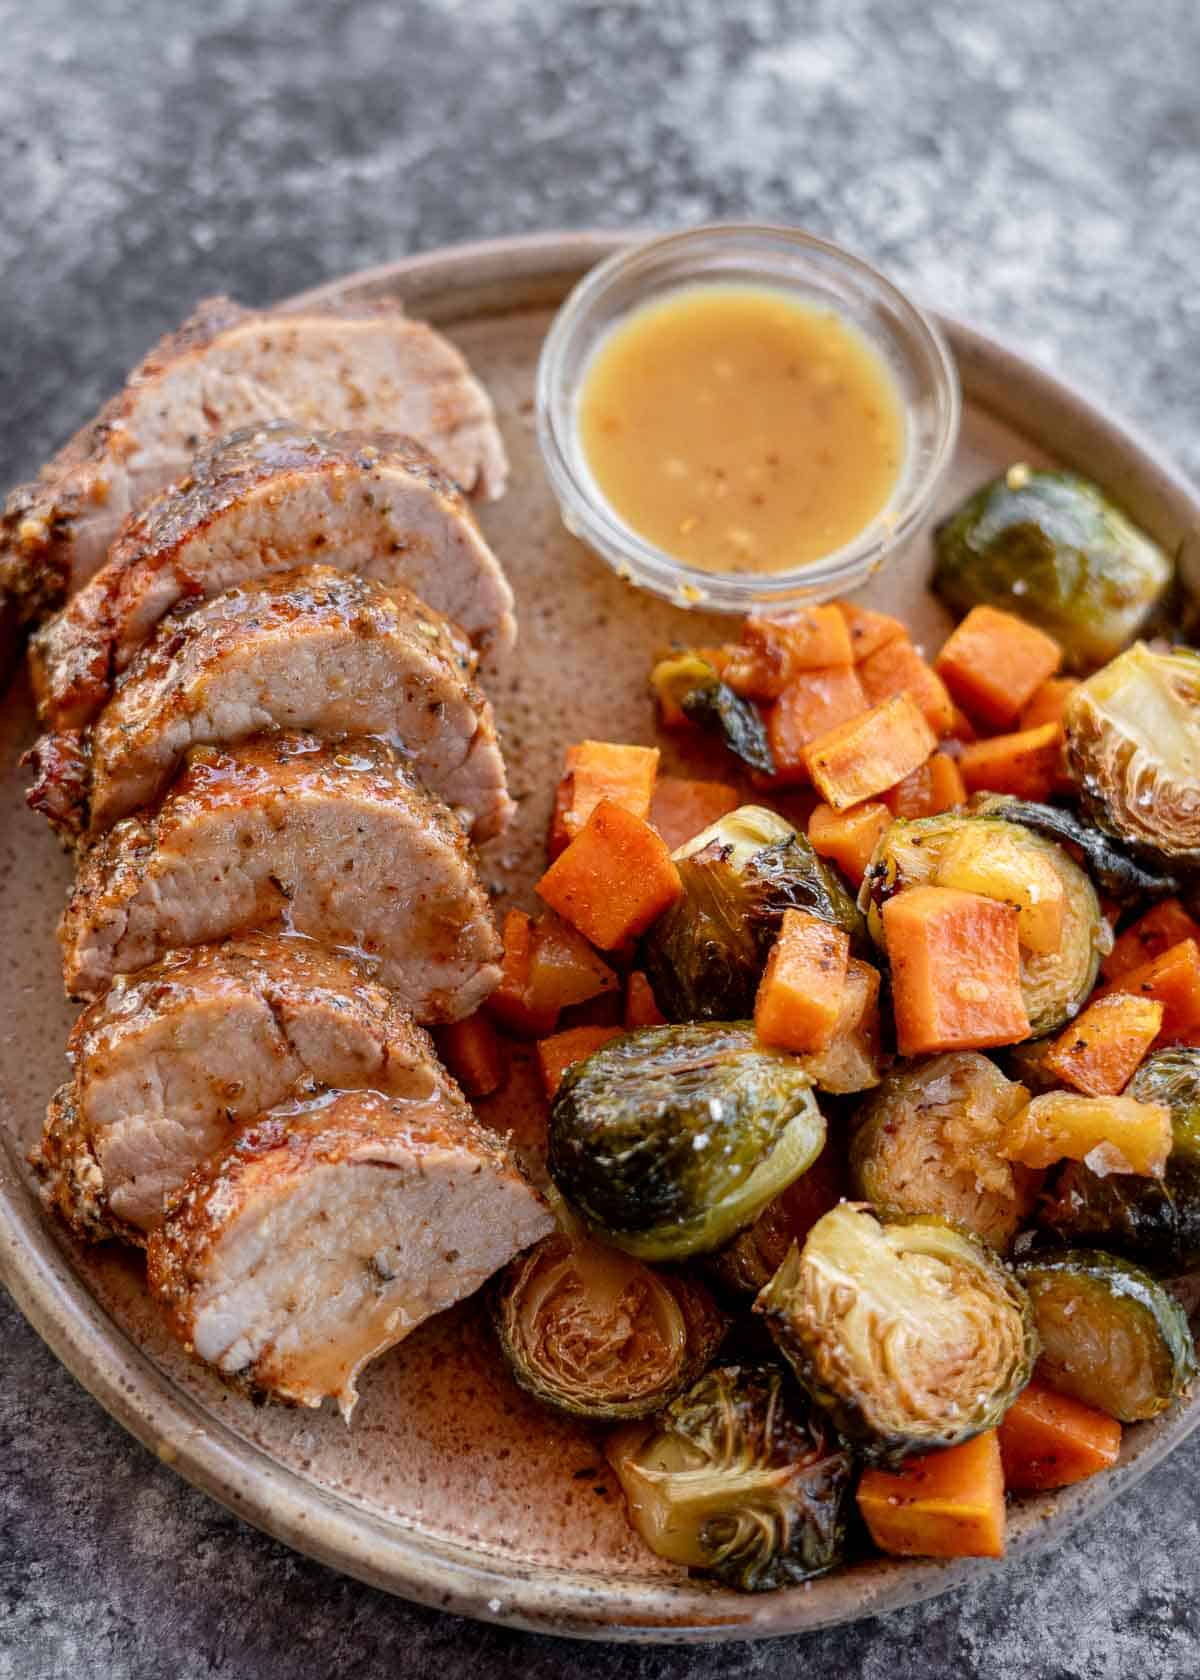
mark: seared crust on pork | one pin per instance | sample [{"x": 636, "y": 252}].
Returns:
[{"x": 338, "y": 843}]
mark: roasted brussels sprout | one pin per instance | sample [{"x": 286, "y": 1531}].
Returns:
[
  {"x": 1154, "y": 1220},
  {"x": 696, "y": 688},
  {"x": 908, "y": 1332},
  {"x": 1133, "y": 748},
  {"x": 738, "y": 1479},
  {"x": 1112, "y": 865},
  {"x": 1051, "y": 547},
  {"x": 1011, "y": 861},
  {"x": 928, "y": 1141},
  {"x": 706, "y": 955},
  {"x": 756, "y": 1254},
  {"x": 1110, "y": 1334},
  {"x": 671, "y": 1139},
  {"x": 596, "y": 1333}
]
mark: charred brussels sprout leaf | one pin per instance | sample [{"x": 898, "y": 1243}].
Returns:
[
  {"x": 1050, "y": 547},
  {"x": 1113, "y": 865},
  {"x": 928, "y": 1141},
  {"x": 695, "y": 686},
  {"x": 597, "y": 1333},
  {"x": 907, "y": 1332},
  {"x": 1111, "y": 1336},
  {"x": 671, "y": 1139},
  {"x": 1133, "y": 747},
  {"x": 1007, "y": 855},
  {"x": 706, "y": 955},
  {"x": 738, "y": 1480},
  {"x": 1154, "y": 1220}
]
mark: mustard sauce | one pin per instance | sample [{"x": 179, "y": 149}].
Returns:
[{"x": 740, "y": 429}]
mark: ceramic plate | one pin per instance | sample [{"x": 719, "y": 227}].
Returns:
[{"x": 452, "y": 1488}]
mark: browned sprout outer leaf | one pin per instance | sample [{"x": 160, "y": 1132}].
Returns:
[
  {"x": 928, "y": 1141},
  {"x": 738, "y": 1479},
  {"x": 908, "y": 1332},
  {"x": 598, "y": 1334}
]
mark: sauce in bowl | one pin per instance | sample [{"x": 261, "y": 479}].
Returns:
[{"x": 741, "y": 429}]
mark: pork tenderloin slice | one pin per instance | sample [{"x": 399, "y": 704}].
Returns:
[
  {"x": 170, "y": 1061},
  {"x": 329, "y": 1232},
  {"x": 268, "y": 500},
  {"x": 316, "y": 649},
  {"x": 229, "y": 367},
  {"x": 336, "y": 842}
]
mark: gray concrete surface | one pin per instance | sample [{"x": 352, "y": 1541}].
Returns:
[{"x": 1033, "y": 166}]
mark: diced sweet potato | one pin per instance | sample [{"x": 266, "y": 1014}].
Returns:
[
  {"x": 1005, "y": 870},
  {"x": 1165, "y": 925},
  {"x": 1115, "y": 1134},
  {"x": 681, "y": 808},
  {"x": 942, "y": 1504},
  {"x": 563, "y": 968},
  {"x": 1048, "y": 702},
  {"x": 559, "y": 1053},
  {"x": 1050, "y": 1440},
  {"x": 1100, "y": 1051},
  {"x": 897, "y": 668},
  {"x": 510, "y": 1004},
  {"x": 994, "y": 663},
  {"x": 956, "y": 971},
  {"x": 609, "y": 770},
  {"x": 1028, "y": 764},
  {"x": 473, "y": 1054},
  {"x": 933, "y": 787},
  {"x": 800, "y": 996},
  {"x": 1173, "y": 977},
  {"x": 810, "y": 706},
  {"x": 614, "y": 879},
  {"x": 869, "y": 754},
  {"x": 776, "y": 647},
  {"x": 641, "y": 1007},
  {"x": 868, "y": 630},
  {"x": 849, "y": 837}
]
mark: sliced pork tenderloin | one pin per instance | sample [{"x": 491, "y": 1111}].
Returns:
[
  {"x": 172, "y": 1060},
  {"x": 331, "y": 1230},
  {"x": 229, "y": 367},
  {"x": 268, "y": 500},
  {"x": 316, "y": 650},
  {"x": 338, "y": 842}
]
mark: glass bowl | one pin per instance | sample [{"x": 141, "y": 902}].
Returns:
[{"x": 814, "y": 272}]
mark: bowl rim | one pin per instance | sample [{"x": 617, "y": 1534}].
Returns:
[
  {"x": 452, "y": 283},
  {"x": 589, "y": 515}
]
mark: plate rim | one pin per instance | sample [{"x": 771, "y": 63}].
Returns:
[{"x": 467, "y": 1581}]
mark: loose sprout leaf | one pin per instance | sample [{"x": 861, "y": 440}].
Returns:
[
  {"x": 671, "y": 1139},
  {"x": 1113, "y": 865},
  {"x": 1052, "y": 548},
  {"x": 739, "y": 1480},
  {"x": 907, "y": 1332},
  {"x": 715, "y": 707}
]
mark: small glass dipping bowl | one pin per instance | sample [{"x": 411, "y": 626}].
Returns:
[{"x": 815, "y": 273}]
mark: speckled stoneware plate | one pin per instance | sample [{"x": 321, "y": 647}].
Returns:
[{"x": 451, "y": 1487}]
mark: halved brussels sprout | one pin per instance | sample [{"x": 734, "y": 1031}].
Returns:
[
  {"x": 1154, "y": 1220},
  {"x": 1054, "y": 983},
  {"x": 706, "y": 955},
  {"x": 696, "y": 688},
  {"x": 1133, "y": 748},
  {"x": 1111, "y": 1336},
  {"x": 596, "y": 1333},
  {"x": 738, "y": 1479},
  {"x": 671, "y": 1139},
  {"x": 756, "y": 1254},
  {"x": 1052, "y": 548},
  {"x": 1110, "y": 863},
  {"x": 928, "y": 1141},
  {"x": 908, "y": 1332}
]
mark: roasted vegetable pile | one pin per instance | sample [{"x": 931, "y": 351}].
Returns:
[{"x": 873, "y": 1127}]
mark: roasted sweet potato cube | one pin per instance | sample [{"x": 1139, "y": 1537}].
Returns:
[
  {"x": 614, "y": 879},
  {"x": 897, "y": 668},
  {"x": 811, "y": 705},
  {"x": 956, "y": 971},
  {"x": 776, "y": 647},
  {"x": 848, "y": 838},
  {"x": 994, "y": 663},
  {"x": 800, "y": 996},
  {"x": 870, "y": 754}
]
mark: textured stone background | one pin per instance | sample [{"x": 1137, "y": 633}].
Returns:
[{"x": 1032, "y": 166}]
